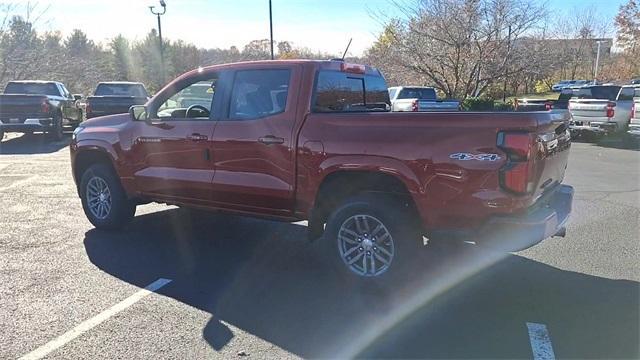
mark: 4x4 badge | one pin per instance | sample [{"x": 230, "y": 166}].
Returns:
[{"x": 479, "y": 157}]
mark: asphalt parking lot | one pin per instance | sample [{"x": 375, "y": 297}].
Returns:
[{"x": 245, "y": 287}]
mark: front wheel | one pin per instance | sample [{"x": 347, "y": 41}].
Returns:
[
  {"x": 104, "y": 201},
  {"x": 369, "y": 236}
]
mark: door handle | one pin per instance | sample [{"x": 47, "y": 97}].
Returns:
[
  {"x": 197, "y": 137},
  {"x": 271, "y": 140}
]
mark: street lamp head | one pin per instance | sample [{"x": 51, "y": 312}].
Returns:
[{"x": 163, "y": 3}]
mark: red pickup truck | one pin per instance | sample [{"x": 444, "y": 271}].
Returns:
[{"x": 315, "y": 140}]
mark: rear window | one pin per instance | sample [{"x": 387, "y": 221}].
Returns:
[
  {"x": 598, "y": 92},
  {"x": 135, "y": 90},
  {"x": 418, "y": 93},
  {"x": 337, "y": 91},
  {"x": 32, "y": 89},
  {"x": 566, "y": 94},
  {"x": 628, "y": 93}
]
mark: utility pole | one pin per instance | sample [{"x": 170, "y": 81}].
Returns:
[
  {"x": 158, "y": 14},
  {"x": 595, "y": 71},
  {"x": 271, "y": 29},
  {"x": 504, "y": 89}
]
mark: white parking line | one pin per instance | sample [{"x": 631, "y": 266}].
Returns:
[
  {"x": 540, "y": 342},
  {"x": 87, "y": 325}
]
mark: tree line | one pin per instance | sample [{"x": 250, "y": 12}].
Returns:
[
  {"x": 464, "y": 48},
  {"x": 471, "y": 48}
]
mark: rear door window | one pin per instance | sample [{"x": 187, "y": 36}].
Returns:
[
  {"x": 337, "y": 91},
  {"x": 259, "y": 93}
]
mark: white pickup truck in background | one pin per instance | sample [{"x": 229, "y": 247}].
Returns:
[
  {"x": 599, "y": 110},
  {"x": 419, "y": 99}
]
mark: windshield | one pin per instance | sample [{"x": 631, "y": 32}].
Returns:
[
  {"x": 135, "y": 90},
  {"x": 32, "y": 89}
]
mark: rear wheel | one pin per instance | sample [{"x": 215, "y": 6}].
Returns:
[
  {"x": 104, "y": 201},
  {"x": 55, "y": 133},
  {"x": 370, "y": 236},
  {"x": 1, "y": 135}
]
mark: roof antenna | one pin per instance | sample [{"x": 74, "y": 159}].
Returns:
[{"x": 347, "y": 49}]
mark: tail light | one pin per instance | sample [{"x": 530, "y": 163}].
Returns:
[
  {"x": 633, "y": 111},
  {"x": 610, "y": 109},
  {"x": 516, "y": 104},
  {"x": 548, "y": 106},
  {"x": 44, "y": 107},
  {"x": 415, "y": 105},
  {"x": 87, "y": 108},
  {"x": 516, "y": 175}
]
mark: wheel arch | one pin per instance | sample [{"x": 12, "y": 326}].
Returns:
[{"x": 342, "y": 183}]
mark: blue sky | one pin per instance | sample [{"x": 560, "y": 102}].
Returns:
[{"x": 324, "y": 25}]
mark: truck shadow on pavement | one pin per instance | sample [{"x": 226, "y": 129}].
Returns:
[
  {"x": 32, "y": 144},
  {"x": 266, "y": 279}
]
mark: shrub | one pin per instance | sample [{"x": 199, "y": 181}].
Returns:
[
  {"x": 477, "y": 104},
  {"x": 502, "y": 106}
]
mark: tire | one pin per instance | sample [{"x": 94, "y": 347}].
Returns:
[
  {"x": 386, "y": 245},
  {"x": 55, "y": 133},
  {"x": 100, "y": 183},
  {"x": 1, "y": 135}
]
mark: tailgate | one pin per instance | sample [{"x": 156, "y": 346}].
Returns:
[
  {"x": 17, "y": 108},
  {"x": 588, "y": 108},
  {"x": 431, "y": 105},
  {"x": 554, "y": 141}
]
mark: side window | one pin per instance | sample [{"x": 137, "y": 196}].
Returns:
[
  {"x": 342, "y": 92},
  {"x": 63, "y": 91},
  {"x": 626, "y": 93},
  {"x": 259, "y": 93},
  {"x": 392, "y": 93},
  {"x": 192, "y": 101}
]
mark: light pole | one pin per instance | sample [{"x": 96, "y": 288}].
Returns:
[
  {"x": 271, "y": 29},
  {"x": 158, "y": 14},
  {"x": 595, "y": 71}
]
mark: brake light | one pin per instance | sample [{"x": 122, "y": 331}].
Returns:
[
  {"x": 548, "y": 106},
  {"x": 87, "y": 108},
  {"x": 352, "y": 68},
  {"x": 633, "y": 111},
  {"x": 516, "y": 104},
  {"x": 44, "y": 107},
  {"x": 516, "y": 175},
  {"x": 415, "y": 105},
  {"x": 610, "y": 109}
]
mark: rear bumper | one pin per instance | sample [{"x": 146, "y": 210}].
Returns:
[
  {"x": 30, "y": 124},
  {"x": 603, "y": 127},
  {"x": 545, "y": 219}
]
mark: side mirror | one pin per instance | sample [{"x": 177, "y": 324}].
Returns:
[
  {"x": 77, "y": 97},
  {"x": 139, "y": 113}
]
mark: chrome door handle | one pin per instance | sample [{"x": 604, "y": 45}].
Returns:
[
  {"x": 197, "y": 137},
  {"x": 271, "y": 140}
]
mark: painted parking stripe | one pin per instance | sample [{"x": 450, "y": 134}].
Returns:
[
  {"x": 540, "y": 342},
  {"x": 89, "y": 324}
]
